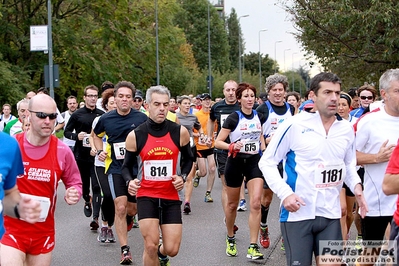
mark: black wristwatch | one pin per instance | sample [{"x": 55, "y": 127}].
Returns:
[
  {"x": 16, "y": 211},
  {"x": 184, "y": 176},
  {"x": 98, "y": 152}
]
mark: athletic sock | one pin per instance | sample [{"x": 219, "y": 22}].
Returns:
[
  {"x": 125, "y": 247},
  {"x": 160, "y": 255},
  {"x": 231, "y": 238},
  {"x": 264, "y": 214}
]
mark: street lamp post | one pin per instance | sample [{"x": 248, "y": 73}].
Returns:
[
  {"x": 50, "y": 51},
  {"x": 293, "y": 72},
  {"x": 239, "y": 47},
  {"x": 260, "y": 62},
  {"x": 285, "y": 67},
  {"x": 275, "y": 56}
]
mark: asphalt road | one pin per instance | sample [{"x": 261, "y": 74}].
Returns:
[{"x": 203, "y": 241}]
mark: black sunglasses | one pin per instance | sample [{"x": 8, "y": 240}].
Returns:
[
  {"x": 366, "y": 97},
  {"x": 42, "y": 115}
]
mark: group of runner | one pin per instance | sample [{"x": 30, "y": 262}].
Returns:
[{"x": 137, "y": 161}]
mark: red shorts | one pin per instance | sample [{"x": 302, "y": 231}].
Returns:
[{"x": 28, "y": 245}]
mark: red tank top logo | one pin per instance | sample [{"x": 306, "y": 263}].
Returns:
[
  {"x": 39, "y": 174},
  {"x": 160, "y": 151}
]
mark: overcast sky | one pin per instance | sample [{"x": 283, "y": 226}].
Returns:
[{"x": 267, "y": 14}]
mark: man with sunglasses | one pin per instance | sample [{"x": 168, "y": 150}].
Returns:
[
  {"x": 78, "y": 128},
  {"x": 46, "y": 161}
]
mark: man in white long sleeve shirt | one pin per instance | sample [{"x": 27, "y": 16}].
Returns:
[{"x": 319, "y": 155}]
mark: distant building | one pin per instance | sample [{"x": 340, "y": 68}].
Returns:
[{"x": 220, "y": 8}]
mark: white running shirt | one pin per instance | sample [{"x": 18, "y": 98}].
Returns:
[
  {"x": 315, "y": 165},
  {"x": 372, "y": 131}
]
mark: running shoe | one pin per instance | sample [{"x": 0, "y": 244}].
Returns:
[
  {"x": 264, "y": 239},
  {"x": 187, "y": 208},
  {"x": 102, "y": 236},
  {"x": 254, "y": 253},
  {"x": 126, "y": 257},
  {"x": 164, "y": 262},
  {"x": 231, "y": 249},
  {"x": 282, "y": 244},
  {"x": 110, "y": 236},
  {"x": 235, "y": 229},
  {"x": 129, "y": 222},
  {"x": 94, "y": 225},
  {"x": 196, "y": 179},
  {"x": 87, "y": 209},
  {"x": 242, "y": 206},
  {"x": 135, "y": 223},
  {"x": 208, "y": 197}
]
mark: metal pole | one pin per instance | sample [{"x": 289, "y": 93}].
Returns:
[
  {"x": 239, "y": 47},
  {"x": 275, "y": 56},
  {"x": 157, "y": 40},
  {"x": 209, "y": 54},
  {"x": 260, "y": 62},
  {"x": 50, "y": 51}
]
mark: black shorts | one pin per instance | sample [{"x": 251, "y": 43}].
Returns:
[
  {"x": 118, "y": 187},
  {"x": 221, "y": 157},
  {"x": 204, "y": 153},
  {"x": 373, "y": 227},
  {"x": 167, "y": 211},
  {"x": 280, "y": 170},
  {"x": 237, "y": 168},
  {"x": 348, "y": 192}
]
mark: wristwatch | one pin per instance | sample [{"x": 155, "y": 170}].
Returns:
[
  {"x": 184, "y": 176},
  {"x": 16, "y": 212},
  {"x": 98, "y": 152}
]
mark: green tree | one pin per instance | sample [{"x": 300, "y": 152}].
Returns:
[
  {"x": 251, "y": 64},
  {"x": 12, "y": 85},
  {"x": 296, "y": 82},
  {"x": 355, "y": 39},
  {"x": 94, "y": 41},
  {"x": 234, "y": 30},
  {"x": 194, "y": 21},
  {"x": 304, "y": 73}
]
